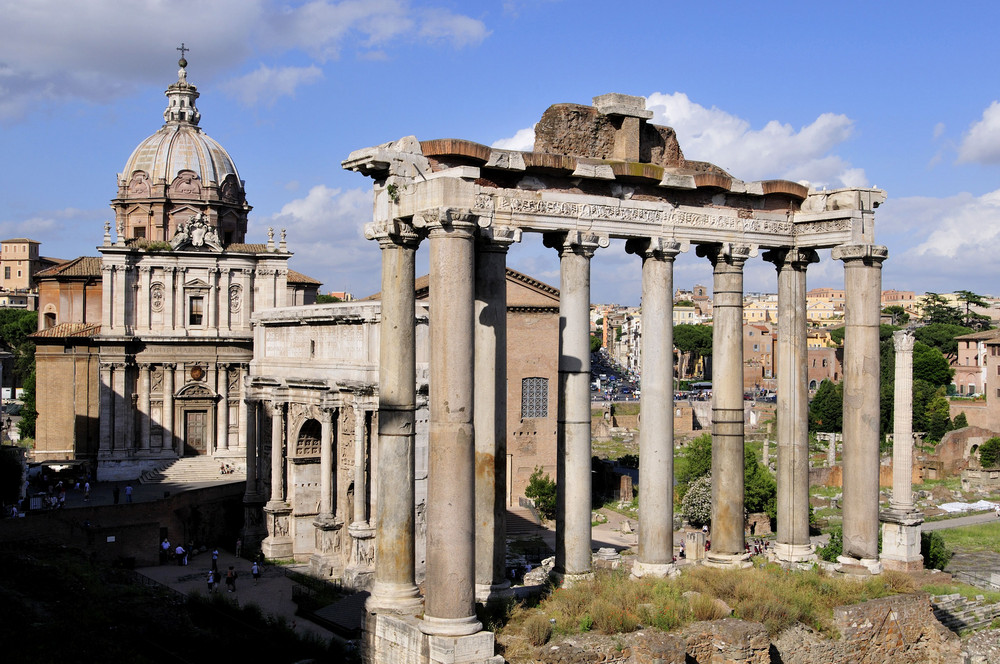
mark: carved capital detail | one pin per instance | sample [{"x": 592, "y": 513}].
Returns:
[
  {"x": 576, "y": 242},
  {"x": 869, "y": 253},
  {"x": 393, "y": 232},
  {"x": 656, "y": 247},
  {"x": 795, "y": 258},
  {"x": 902, "y": 341}
]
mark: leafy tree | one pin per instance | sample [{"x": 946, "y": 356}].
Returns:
[
  {"x": 973, "y": 319},
  {"x": 923, "y": 394},
  {"x": 696, "y": 462},
  {"x": 960, "y": 421},
  {"x": 11, "y": 472},
  {"x": 322, "y": 298},
  {"x": 542, "y": 490},
  {"x": 930, "y": 364},
  {"x": 937, "y": 309},
  {"x": 595, "y": 343},
  {"x": 697, "y": 504},
  {"x": 15, "y": 326},
  {"x": 693, "y": 342},
  {"x": 684, "y": 303},
  {"x": 989, "y": 453},
  {"x": 26, "y": 426},
  {"x": 938, "y": 416},
  {"x": 599, "y": 322},
  {"x": 837, "y": 335},
  {"x": 936, "y": 555},
  {"x": 826, "y": 411},
  {"x": 942, "y": 336},
  {"x": 834, "y": 546},
  {"x": 898, "y": 313},
  {"x": 760, "y": 491}
]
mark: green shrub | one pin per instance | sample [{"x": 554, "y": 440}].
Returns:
[
  {"x": 537, "y": 629},
  {"x": 936, "y": 554},
  {"x": 834, "y": 547},
  {"x": 989, "y": 453},
  {"x": 697, "y": 504},
  {"x": 542, "y": 490}
]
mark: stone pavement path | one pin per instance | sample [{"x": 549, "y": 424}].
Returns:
[
  {"x": 958, "y": 521},
  {"x": 273, "y": 593}
]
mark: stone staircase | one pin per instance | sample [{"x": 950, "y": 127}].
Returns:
[
  {"x": 959, "y": 614},
  {"x": 522, "y": 521},
  {"x": 188, "y": 470}
]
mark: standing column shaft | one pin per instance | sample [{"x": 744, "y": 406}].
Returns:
[
  {"x": 120, "y": 437},
  {"x": 251, "y": 448},
  {"x": 902, "y": 437},
  {"x": 277, "y": 452},
  {"x": 449, "y": 595},
  {"x": 326, "y": 510},
  {"x": 360, "y": 479},
  {"x": 168, "y": 408},
  {"x": 394, "y": 587},
  {"x": 222, "y": 435},
  {"x": 107, "y": 396},
  {"x": 144, "y": 407},
  {"x": 573, "y": 496},
  {"x": 491, "y": 412},
  {"x": 656, "y": 436},
  {"x": 793, "y": 405},
  {"x": 862, "y": 300},
  {"x": 727, "y": 404}
]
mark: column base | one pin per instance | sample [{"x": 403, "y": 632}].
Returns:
[
  {"x": 792, "y": 554},
  {"x": 403, "y": 599},
  {"x": 496, "y": 592},
  {"x": 858, "y": 566},
  {"x": 655, "y": 570},
  {"x": 393, "y": 639},
  {"x": 728, "y": 560},
  {"x": 901, "y": 545},
  {"x": 450, "y": 626},
  {"x": 566, "y": 580}
]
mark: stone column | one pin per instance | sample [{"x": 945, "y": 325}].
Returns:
[
  {"x": 169, "y": 305},
  {"x": 144, "y": 407},
  {"x": 121, "y": 297},
  {"x": 656, "y": 436},
  {"x": 251, "y": 450},
  {"x": 831, "y": 451},
  {"x": 107, "y": 397},
  {"x": 791, "y": 354},
  {"x": 728, "y": 541},
  {"x": 862, "y": 307},
  {"x": 168, "y": 408},
  {"x": 142, "y": 299},
  {"x": 901, "y": 522},
  {"x": 491, "y": 412},
  {"x": 573, "y": 496},
  {"x": 326, "y": 510},
  {"x": 107, "y": 294},
  {"x": 277, "y": 455},
  {"x": 242, "y": 409},
  {"x": 449, "y": 591},
  {"x": 222, "y": 435},
  {"x": 360, "y": 516},
  {"x": 120, "y": 437},
  {"x": 225, "y": 303},
  {"x": 394, "y": 588},
  {"x": 278, "y": 543}
]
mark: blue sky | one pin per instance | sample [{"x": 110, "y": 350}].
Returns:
[{"x": 903, "y": 96}]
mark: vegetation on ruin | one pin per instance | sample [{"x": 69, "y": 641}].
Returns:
[
  {"x": 542, "y": 489},
  {"x": 989, "y": 453},
  {"x": 980, "y": 537},
  {"x": 932, "y": 548},
  {"x": 611, "y": 603}
]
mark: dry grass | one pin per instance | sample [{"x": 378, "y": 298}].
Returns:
[{"x": 613, "y": 603}]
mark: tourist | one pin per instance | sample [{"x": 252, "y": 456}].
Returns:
[
  {"x": 239, "y": 546},
  {"x": 211, "y": 580},
  {"x": 86, "y": 491},
  {"x": 255, "y": 571},
  {"x": 231, "y": 579},
  {"x": 215, "y": 560},
  {"x": 128, "y": 492},
  {"x": 181, "y": 555},
  {"x": 164, "y": 551}
]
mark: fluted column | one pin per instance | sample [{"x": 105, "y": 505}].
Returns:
[
  {"x": 573, "y": 481},
  {"x": 728, "y": 540},
  {"x": 394, "y": 588},
  {"x": 360, "y": 516},
  {"x": 902, "y": 436},
  {"x": 251, "y": 449},
  {"x": 121, "y": 298},
  {"x": 222, "y": 415},
  {"x": 656, "y": 435},
  {"x": 120, "y": 436},
  {"x": 142, "y": 303},
  {"x": 107, "y": 294},
  {"x": 168, "y": 408},
  {"x": 277, "y": 455},
  {"x": 107, "y": 397},
  {"x": 144, "y": 406},
  {"x": 326, "y": 509},
  {"x": 791, "y": 354},
  {"x": 862, "y": 300},
  {"x": 491, "y": 411},
  {"x": 169, "y": 303},
  {"x": 449, "y": 592}
]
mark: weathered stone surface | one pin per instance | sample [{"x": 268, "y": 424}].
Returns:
[
  {"x": 983, "y": 647},
  {"x": 727, "y": 641},
  {"x": 582, "y": 131}
]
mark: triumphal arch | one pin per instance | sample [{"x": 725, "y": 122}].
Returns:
[{"x": 596, "y": 173}]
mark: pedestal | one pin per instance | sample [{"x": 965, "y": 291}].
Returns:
[
  {"x": 327, "y": 560},
  {"x": 359, "y": 574},
  {"x": 278, "y": 544},
  {"x": 391, "y": 639},
  {"x": 901, "y": 541}
]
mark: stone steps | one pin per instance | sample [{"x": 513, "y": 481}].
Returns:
[
  {"x": 191, "y": 470},
  {"x": 959, "y": 614},
  {"x": 521, "y": 521}
]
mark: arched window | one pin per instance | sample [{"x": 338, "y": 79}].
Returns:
[{"x": 812, "y": 385}]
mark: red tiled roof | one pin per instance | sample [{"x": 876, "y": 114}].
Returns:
[
  {"x": 84, "y": 266},
  {"x": 64, "y": 330}
]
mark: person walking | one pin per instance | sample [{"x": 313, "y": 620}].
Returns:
[
  {"x": 128, "y": 492},
  {"x": 215, "y": 560},
  {"x": 86, "y": 491},
  {"x": 231, "y": 579},
  {"x": 239, "y": 546},
  {"x": 211, "y": 581},
  {"x": 255, "y": 572}
]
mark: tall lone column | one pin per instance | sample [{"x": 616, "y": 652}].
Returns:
[
  {"x": 360, "y": 515},
  {"x": 168, "y": 408},
  {"x": 491, "y": 412},
  {"x": 793, "y": 405},
  {"x": 728, "y": 540},
  {"x": 656, "y": 436},
  {"x": 901, "y": 522},
  {"x": 107, "y": 397},
  {"x": 222, "y": 435},
  {"x": 251, "y": 494},
  {"x": 573, "y": 481},
  {"x": 394, "y": 588},
  {"x": 862, "y": 300},
  {"x": 449, "y": 592},
  {"x": 144, "y": 407},
  {"x": 277, "y": 500},
  {"x": 326, "y": 508}
]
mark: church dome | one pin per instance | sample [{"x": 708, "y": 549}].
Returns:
[{"x": 180, "y": 155}]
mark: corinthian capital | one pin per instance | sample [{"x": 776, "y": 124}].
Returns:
[
  {"x": 393, "y": 232},
  {"x": 576, "y": 242}
]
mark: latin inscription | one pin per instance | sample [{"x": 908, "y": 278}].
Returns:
[{"x": 632, "y": 214}]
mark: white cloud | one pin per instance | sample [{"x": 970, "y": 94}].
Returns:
[
  {"x": 59, "y": 51},
  {"x": 981, "y": 143},
  {"x": 523, "y": 140},
  {"x": 775, "y": 151},
  {"x": 268, "y": 84},
  {"x": 325, "y": 232}
]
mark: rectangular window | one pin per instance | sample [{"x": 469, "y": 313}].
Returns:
[
  {"x": 18, "y": 273},
  {"x": 139, "y": 231},
  {"x": 534, "y": 398},
  {"x": 6, "y": 273},
  {"x": 196, "y": 311}
]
